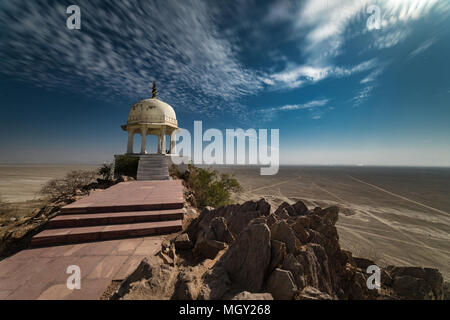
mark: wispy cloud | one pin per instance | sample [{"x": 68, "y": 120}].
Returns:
[
  {"x": 304, "y": 74},
  {"x": 122, "y": 47},
  {"x": 290, "y": 107},
  {"x": 268, "y": 114},
  {"x": 362, "y": 95},
  {"x": 423, "y": 47},
  {"x": 323, "y": 27}
]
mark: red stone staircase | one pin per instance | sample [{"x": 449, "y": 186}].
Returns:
[{"x": 128, "y": 209}]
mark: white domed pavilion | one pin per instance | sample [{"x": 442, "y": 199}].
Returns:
[{"x": 151, "y": 117}]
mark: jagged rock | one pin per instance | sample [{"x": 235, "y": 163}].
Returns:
[
  {"x": 331, "y": 214},
  {"x": 259, "y": 220},
  {"x": 281, "y": 285},
  {"x": 446, "y": 295},
  {"x": 282, "y": 232},
  {"x": 300, "y": 231},
  {"x": 182, "y": 242},
  {"x": 151, "y": 280},
  {"x": 287, "y": 208},
  {"x": 278, "y": 252},
  {"x": 248, "y": 258},
  {"x": 363, "y": 263},
  {"x": 216, "y": 284},
  {"x": 314, "y": 260},
  {"x": 165, "y": 258},
  {"x": 412, "y": 288},
  {"x": 303, "y": 220},
  {"x": 271, "y": 219},
  {"x": 282, "y": 214},
  {"x": 300, "y": 208},
  {"x": 236, "y": 216},
  {"x": 315, "y": 221},
  {"x": 189, "y": 284},
  {"x": 291, "y": 264},
  {"x": 311, "y": 293},
  {"x": 346, "y": 257},
  {"x": 245, "y": 295},
  {"x": 417, "y": 283},
  {"x": 208, "y": 249},
  {"x": 218, "y": 227}
]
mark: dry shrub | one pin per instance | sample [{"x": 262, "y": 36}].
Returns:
[{"x": 74, "y": 182}]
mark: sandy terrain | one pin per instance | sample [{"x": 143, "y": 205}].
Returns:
[
  {"x": 392, "y": 215},
  {"x": 23, "y": 182}
]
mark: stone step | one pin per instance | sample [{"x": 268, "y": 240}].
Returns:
[
  {"x": 125, "y": 208},
  {"x": 152, "y": 170},
  {"x": 153, "y": 161},
  {"x": 154, "y": 173},
  {"x": 51, "y": 237},
  {"x": 97, "y": 219},
  {"x": 152, "y": 178},
  {"x": 131, "y": 196}
]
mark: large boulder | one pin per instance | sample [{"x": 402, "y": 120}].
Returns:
[
  {"x": 208, "y": 249},
  {"x": 153, "y": 279},
  {"x": 314, "y": 260},
  {"x": 281, "y": 285},
  {"x": 248, "y": 258},
  {"x": 278, "y": 252},
  {"x": 237, "y": 217},
  {"x": 219, "y": 230},
  {"x": 182, "y": 242},
  {"x": 300, "y": 208},
  {"x": 291, "y": 264},
  {"x": 330, "y": 214},
  {"x": 417, "y": 283},
  {"x": 189, "y": 283},
  {"x": 282, "y": 232},
  {"x": 284, "y": 211}
]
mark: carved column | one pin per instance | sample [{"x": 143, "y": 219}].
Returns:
[
  {"x": 173, "y": 140},
  {"x": 159, "y": 142},
  {"x": 130, "y": 142},
  {"x": 144, "y": 140},
  {"x": 163, "y": 140}
]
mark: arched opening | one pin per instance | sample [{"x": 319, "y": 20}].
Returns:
[
  {"x": 137, "y": 143},
  {"x": 152, "y": 144}
]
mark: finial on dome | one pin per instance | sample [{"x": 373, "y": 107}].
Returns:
[{"x": 154, "y": 90}]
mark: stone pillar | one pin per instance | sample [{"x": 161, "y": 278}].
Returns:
[
  {"x": 144, "y": 141},
  {"x": 159, "y": 142},
  {"x": 130, "y": 142},
  {"x": 173, "y": 140},
  {"x": 163, "y": 142}
]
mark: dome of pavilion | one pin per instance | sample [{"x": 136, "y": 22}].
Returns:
[
  {"x": 152, "y": 111},
  {"x": 151, "y": 117}
]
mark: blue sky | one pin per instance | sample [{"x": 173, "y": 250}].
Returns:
[{"x": 339, "y": 91}]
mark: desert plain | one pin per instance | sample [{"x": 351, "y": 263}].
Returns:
[{"x": 392, "y": 215}]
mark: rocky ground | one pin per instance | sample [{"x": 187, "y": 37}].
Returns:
[{"x": 250, "y": 251}]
